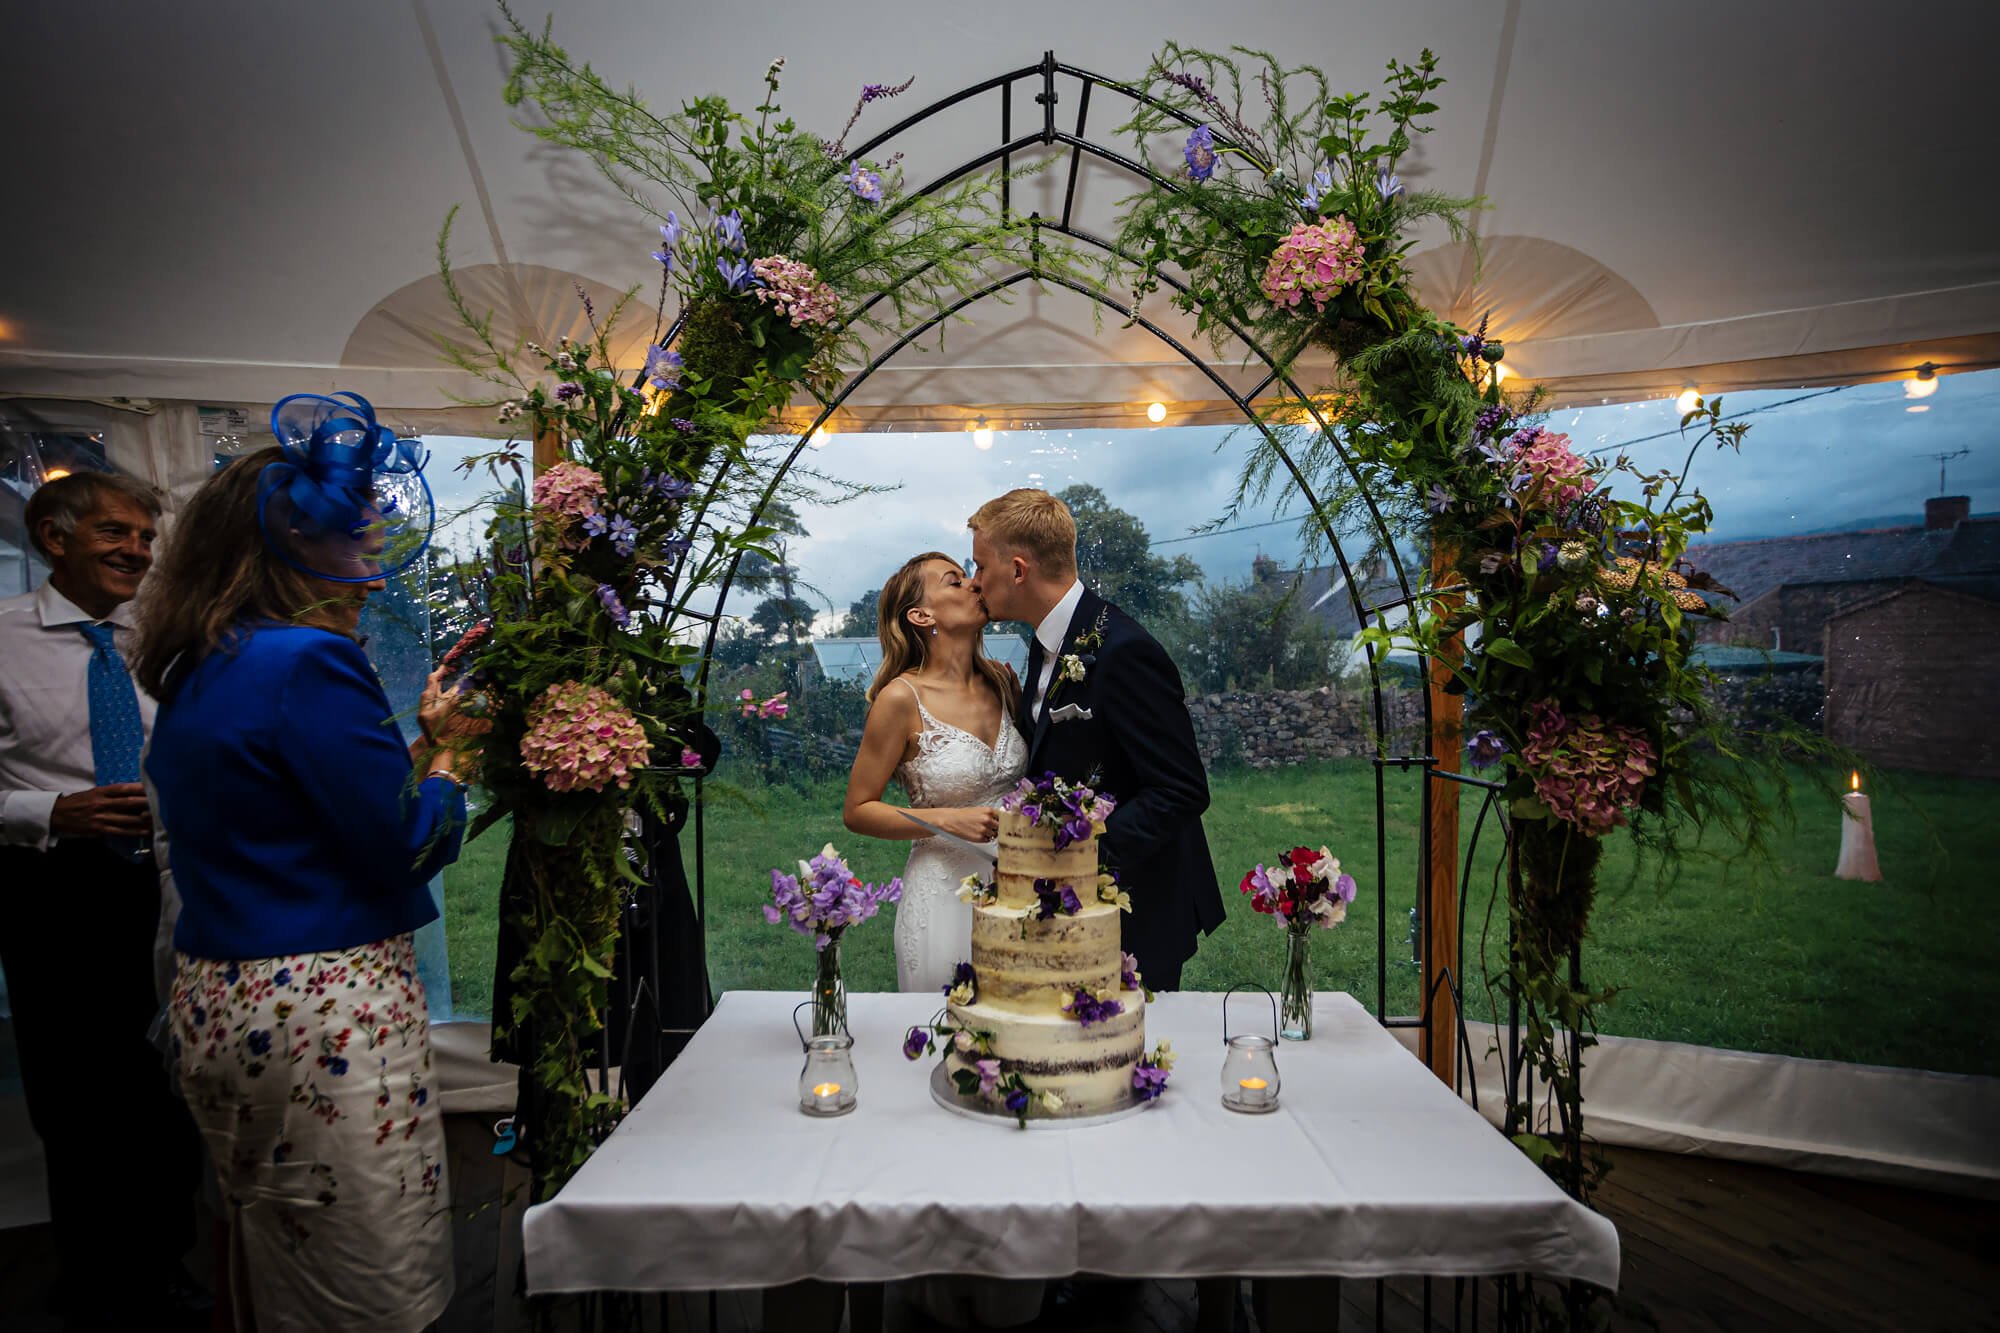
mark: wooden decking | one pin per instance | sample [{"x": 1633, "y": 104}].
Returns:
[{"x": 1708, "y": 1245}]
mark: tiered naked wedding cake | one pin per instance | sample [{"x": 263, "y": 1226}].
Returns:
[{"x": 1049, "y": 1020}]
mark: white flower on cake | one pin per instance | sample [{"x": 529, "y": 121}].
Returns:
[
  {"x": 963, "y": 1041},
  {"x": 1109, "y": 892},
  {"x": 960, "y": 994},
  {"x": 1163, "y": 1054},
  {"x": 1050, "y": 1102}
]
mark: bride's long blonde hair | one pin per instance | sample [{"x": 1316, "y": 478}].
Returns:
[{"x": 905, "y": 648}]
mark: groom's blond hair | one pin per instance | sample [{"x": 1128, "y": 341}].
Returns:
[{"x": 1032, "y": 523}]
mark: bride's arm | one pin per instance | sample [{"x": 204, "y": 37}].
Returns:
[{"x": 884, "y": 741}]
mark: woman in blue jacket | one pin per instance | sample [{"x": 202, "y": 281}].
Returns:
[{"x": 302, "y": 835}]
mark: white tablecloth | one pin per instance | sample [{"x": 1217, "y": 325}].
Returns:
[{"x": 1370, "y": 1168}]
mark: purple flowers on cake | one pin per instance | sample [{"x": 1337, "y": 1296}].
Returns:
[{"x": 1087, "y": 1009}]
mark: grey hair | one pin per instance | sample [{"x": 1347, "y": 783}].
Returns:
[{"x": 66, "y": 500}]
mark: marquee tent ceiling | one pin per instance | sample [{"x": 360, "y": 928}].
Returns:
[{"x": 229, "y": 201}]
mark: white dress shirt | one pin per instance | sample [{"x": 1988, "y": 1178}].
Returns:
[
  {"x": 1050, "y": 635},
  {"x": 45, "y": 708}
]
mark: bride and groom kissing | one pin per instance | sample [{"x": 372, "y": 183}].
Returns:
[{"x": 1102, "y": 704}]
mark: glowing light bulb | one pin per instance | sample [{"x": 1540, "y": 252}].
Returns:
[
  {"x": 982, "y": 435},
  {"x": 55, "y": 474},
  {"x": 1156, "y": 413},
  {"x": 1688, "y": 400},
  {"x": 1923, "y": 384},
  {"x": 1502, "y": 372}
]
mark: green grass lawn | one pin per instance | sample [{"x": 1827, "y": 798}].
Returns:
[{"x": 1796, "y": 962}]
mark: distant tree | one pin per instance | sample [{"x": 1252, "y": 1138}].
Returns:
[
  {"x": 783, "y": 620},
  {"x": 859, "y": 623},
  {"x": 1114, "y": 558},
  {"x": 1253, "y": 636}
]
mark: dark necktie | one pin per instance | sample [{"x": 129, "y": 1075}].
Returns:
[
  {"x": 1032, "y": 686},
  {"x": 116, "y": 733}
]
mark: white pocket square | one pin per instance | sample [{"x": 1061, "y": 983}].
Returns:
[{"x": 1071, "y": 713}]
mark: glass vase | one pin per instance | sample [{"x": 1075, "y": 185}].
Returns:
[
  {"x": 1295, "y": 998},
  {"x": 829, "y": 996}
]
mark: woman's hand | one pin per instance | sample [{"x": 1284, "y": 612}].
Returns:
[
  {"x": 439, "y": 712},
  {"x": 974, "y": 823}
]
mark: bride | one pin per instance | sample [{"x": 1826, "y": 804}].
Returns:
[{"x": 941, "y": 722}]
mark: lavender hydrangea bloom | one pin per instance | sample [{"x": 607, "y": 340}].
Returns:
[
  {"x": 612, "y": 606},
  {"x": 1199, "y": 151},
  {"x": 1485, "y": 748}
]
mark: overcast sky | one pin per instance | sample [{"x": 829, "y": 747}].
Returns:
[{"x": 1814, "y": 459}]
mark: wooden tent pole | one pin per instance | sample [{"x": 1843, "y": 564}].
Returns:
[
  {"x": 548, "y": 447},
  {"x": 1441, "y": 918}
]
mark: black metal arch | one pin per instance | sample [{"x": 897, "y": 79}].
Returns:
[{"x": 1046, "y": 72}]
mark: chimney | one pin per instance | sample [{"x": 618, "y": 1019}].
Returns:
[{"x": 1946, "y": 511}]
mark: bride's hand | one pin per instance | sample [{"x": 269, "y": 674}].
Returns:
[{"x": 974, "y": 823}]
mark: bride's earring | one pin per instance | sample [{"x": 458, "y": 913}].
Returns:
[{"x": 933, "y": 631}]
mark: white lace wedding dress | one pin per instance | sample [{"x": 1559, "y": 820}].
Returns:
[{"x": 952, "y": 767}]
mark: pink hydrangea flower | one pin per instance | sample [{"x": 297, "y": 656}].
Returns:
[
  {"x": 1587, "y": 771},
  {"x": 795, "y": 290},
  {"x": 568, "y": 489},
  {"x": 1557, "y": 478},
  {"x": 1316, "y": 260},
  {"x": 581, "y": 739}
]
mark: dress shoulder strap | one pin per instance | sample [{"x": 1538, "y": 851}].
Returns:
[{"x": 918, "y": 695}]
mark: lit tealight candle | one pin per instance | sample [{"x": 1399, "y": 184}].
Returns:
[
  {"x": 826, "y": 1090},
  {"x": 1252, "y": 1084}
]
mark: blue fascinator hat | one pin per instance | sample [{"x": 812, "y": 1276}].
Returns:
[{"x": 348, "y": 502}]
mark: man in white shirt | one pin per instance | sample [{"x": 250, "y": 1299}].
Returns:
[{"x": 80, "y": 907}]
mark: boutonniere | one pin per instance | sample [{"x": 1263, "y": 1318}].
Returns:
[{"x": 1075, "y": 666}]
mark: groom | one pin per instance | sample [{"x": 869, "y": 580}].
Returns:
[{"x": 1102, "y": 704}]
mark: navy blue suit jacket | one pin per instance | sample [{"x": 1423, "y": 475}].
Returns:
[{"x": 1137, "y": 744}]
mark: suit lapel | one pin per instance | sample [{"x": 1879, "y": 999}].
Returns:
[{"x": 1087, "y": 607}]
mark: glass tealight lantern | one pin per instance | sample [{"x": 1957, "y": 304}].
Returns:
[
  {"x": 1250, "y": 1063},
  {"x": 827, "y": 1083}
]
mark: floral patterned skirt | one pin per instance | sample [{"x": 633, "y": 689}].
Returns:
[{"x": 310, "y": 1079}]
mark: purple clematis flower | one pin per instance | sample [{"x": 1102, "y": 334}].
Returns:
[
  {"x": 915, "y": 1043},
  {"x": 1199, "y": 150},
  {"x": 612, "y": 606},
  {"x": 663, "y": 368},
  {"x": 729, "y": 231},
  {"x": 1485, "y": 748},
  {"x": 1322, "y": 186},
  {"x": 866, "y": 184},
  {"x": 735, "y": 272}
]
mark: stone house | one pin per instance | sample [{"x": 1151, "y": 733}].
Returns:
[{"x": 1907, "y": 620}]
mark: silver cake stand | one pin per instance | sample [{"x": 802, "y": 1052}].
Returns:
[{"x": 945, "y": 1093}]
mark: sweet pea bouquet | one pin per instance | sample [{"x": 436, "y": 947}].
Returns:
[
  {"x": 825, "y": 898},
  {"x": 1305, "y": 889}
]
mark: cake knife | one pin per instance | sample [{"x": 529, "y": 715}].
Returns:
[{"x": 994, "y": 857}]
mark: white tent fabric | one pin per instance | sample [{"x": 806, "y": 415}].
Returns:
[{"x": 227, "y": 202}]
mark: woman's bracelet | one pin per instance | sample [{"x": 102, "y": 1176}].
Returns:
[{"x": 449, "y": 775}]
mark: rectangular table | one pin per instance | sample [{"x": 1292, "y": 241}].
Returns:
[{"x": 1369, "y": 1168}]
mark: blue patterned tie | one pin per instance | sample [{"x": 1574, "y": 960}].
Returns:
[{"x": 116, "y": 733}]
